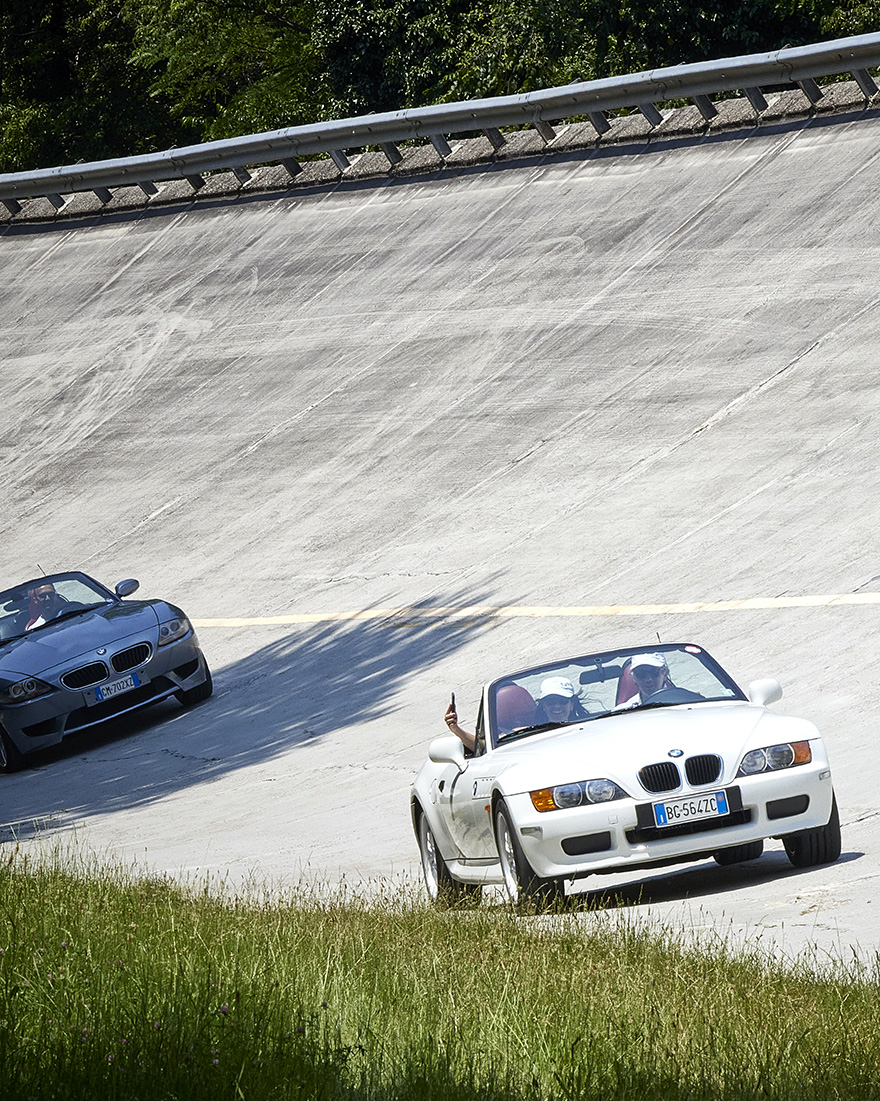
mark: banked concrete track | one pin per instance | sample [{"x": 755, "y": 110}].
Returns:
[{"x": 639, "y": 381}]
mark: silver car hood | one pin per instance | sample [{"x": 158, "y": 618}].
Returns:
[{"x": 78, "y": 635}]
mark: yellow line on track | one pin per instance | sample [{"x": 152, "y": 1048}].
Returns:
[{"x": 513, "y": 611}]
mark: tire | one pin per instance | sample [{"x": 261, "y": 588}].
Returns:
[
  {"x": 11, "y": 757},
  {"x": 739, "y": 853},
  {"x": 442, "y": 889},
  {"x": 811, "y": 847},
  {"x": 201, "y": 691},
  {"x": 521, "y": 881}
]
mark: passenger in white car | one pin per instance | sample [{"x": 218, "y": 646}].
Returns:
[
  {"x": 514, "y": 710},
  {"x": 451, "y": 717},
  {"x": 558, "y": 702}
]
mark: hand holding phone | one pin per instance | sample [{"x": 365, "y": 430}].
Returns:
[{"x": 451, "y": 716}]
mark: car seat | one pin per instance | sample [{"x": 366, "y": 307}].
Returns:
[{"x": 514, "y": 707}]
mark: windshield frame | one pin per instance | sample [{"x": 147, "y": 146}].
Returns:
[{"x": 614, "y": 659}]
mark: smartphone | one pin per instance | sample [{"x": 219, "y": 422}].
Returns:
[{"x": 452, "y": 704}]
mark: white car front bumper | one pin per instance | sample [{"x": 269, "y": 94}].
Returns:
[{"x": 622, "y": 834}]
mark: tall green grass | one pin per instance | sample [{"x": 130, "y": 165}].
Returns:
[{"x": 114, "y": 986}]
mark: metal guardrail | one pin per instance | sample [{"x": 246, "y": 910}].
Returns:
[{"x": 594, "y": 99}]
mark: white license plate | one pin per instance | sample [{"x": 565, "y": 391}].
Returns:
[
  {"x": 676, "y": 812},
  {"x": 114, "y": 688}
]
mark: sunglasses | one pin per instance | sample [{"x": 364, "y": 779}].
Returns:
[{"x": 45, "y": 596}]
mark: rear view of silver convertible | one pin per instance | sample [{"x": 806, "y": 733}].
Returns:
[{"x": 74, "y": 654}]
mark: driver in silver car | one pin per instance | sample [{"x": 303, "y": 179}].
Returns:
[{"x": 45, "y": 604}]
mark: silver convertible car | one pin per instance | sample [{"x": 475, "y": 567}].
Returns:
[
  {"x": 74, "y": 654},
  {"x": 624, "y": 760}
]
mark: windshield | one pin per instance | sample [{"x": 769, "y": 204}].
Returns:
[
  {"x": 586, "y": 688},
  {"x": 34, "y": 604}
]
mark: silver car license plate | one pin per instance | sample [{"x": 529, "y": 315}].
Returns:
[
  {"x": 677, "y": 812},
  {"x": 116, "y": 687}
]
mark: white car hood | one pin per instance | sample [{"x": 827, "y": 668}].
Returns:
[{"x": 616, "y": 747}]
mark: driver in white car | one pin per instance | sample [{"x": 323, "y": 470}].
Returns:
[{"x": 650, "y": 673}]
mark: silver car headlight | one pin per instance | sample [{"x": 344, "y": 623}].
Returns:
[
  {"x": 174, "y": 629},
  {"x": 31, "y": 688},
  {"x": 775, "y": 757},
  {"x": 565, "y": 796}
]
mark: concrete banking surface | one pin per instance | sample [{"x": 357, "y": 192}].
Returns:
[{"x": 637, "y": 380}]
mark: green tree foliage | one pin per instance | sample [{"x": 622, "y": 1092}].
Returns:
[
  {"x": 634, "y": 35},
  {"x": 232, "y": 66},
  {"x": 509, "y": 46},
  {"x": 68, "y": 91},
  {"x": 381, "y": 55},
  {"x": 851, "y": 17}
]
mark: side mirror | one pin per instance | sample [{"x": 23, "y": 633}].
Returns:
[
  {"x": 447, "y": 751},
  {"x": 765, "y": 691},
  {"x": 127, "y": 587}
]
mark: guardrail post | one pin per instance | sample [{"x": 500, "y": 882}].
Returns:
[
  {"x": 149, "y": 189},
  {"x": 599, "y": 122},
  {"x": 340, "y": 160},
  {"x": 195, "y": 182},
  {"x": 241, "y": 174},
  {"x": 545, "y": 130},
  {"x": 391, "y": 151},
  {"x": 56, "y": 201},
  {"x": 11, "y": 205},
  {"x": 292, "y": 165},
  {"x": 706, "y": 107},
  {"x": 651, "y": 113},
  {"x": 102, "y": 194},
  {"x": 810, "y": 89},
  {"x": 441, "y": 145},
  {"x": 865, "y": 82},
  {"x": 756, "y": 97},
  {"x": 496, "y": 138}
]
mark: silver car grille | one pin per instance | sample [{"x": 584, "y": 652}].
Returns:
[
  {"x": 85, "y": 675},
  {"x": 133, "y": 656}
]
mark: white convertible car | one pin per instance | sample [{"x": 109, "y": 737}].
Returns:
[{"x": 624, "y": 760}]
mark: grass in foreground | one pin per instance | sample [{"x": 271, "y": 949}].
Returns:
[{"x": 116, "y": 987}]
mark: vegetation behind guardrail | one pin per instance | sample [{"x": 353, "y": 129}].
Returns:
[
  {"x": 86, "y": 80},
  {"x": 539, "y": 109}
]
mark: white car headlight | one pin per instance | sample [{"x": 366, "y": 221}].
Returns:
[
  {"x": 173, "y": 629},
  {"x": 31, "y": 688},
  {"x": 775, "y": 757},
  {"x": 565, "y": 796},
  {"x": 602, "y": 791},
  {"x": 568, "y": 795}
]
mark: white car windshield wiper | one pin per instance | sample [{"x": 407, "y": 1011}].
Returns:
[{"x": 522, "y": 731}]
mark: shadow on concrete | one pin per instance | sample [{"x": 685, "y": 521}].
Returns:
[
  {"x": 293, "y": 691},
  {"x": 698, "y": 881}
]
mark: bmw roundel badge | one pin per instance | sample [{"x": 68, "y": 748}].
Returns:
[{"x": 676, "y": 752}]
